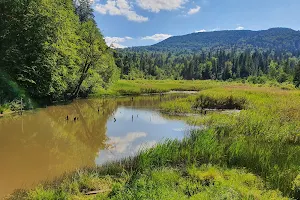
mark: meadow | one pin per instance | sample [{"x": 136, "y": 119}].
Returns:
[
  {"x": 138, "y": 87},
  {"x": 251, "y": 153},
  {"x": 263, "y": 137}
]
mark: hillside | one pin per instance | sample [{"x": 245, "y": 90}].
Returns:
[
  {"x": 221, "y": 55},
  {"x": 275, "y": 38}
]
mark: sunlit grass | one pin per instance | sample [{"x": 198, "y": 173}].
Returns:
[
  {"x": 204, "y": 182},
  {"x": 136, "y": 87},
  {"x": 263, "y": 139}
]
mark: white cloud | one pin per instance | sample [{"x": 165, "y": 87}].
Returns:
[
  {"x": 115, "y": 41},
  {"x": 157, "y": 37},
  {"x": 240, "y": 28},
  {"x": 110, "y": 40},
  {"x": 120, "y": 7},
  {"x": 200, "y": 31},
  {"x": 117, "y": 46},
  {"x": 193, "y": 11},
  {"x": 122, "y": 144},
  {"x": 158, "y": 5}
]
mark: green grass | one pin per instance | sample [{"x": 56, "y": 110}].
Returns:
[
  {"x": 5, "y": 108},
  {"x": 252, "y": 154},
  {"x": 137, "y": 87},
  {"x": 204, "y": 182},
  {"x": 264, "y": 137}
]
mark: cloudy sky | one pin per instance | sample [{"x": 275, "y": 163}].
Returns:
[{"x": 143, "y": 22}]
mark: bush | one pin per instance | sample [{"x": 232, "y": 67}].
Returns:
[
  {"x": 220, "y": 102},
  {"x": 257, "y": 79}
]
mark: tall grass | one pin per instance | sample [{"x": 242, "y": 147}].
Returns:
[
  {"x": 262, "y": 139},
  {"x": 137, "y": 87}
]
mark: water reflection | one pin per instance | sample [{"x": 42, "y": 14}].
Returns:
[
  {"x": 41, "y": 145},
  {"x": 137, "y": 129}
]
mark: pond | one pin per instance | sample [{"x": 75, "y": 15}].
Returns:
[{"x": 42, "y": 144}]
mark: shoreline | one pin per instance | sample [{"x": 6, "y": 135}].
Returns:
[{"x": 104, "y": 96}]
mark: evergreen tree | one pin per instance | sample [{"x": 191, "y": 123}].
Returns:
[{"x": 297, "y": 75}]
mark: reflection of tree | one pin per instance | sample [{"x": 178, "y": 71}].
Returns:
[
  {"x": 83, "y": 121},
  {"x": 92, "y": 124},
  {"x": 49, "y": 145}
]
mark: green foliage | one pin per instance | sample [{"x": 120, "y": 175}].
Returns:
[
  {"x": 51, "y": 50},
  {"x": 263, "y": 138},
  {"x": 205, "y": 182},
  {"x": 41, "y": 193},
  {"x": 217, "y": 101},
  {"x": 257, "y": 79},
  {"x": 297, "y": 75},
  {"x": 134, "y": 74},
  {"x": 177, "y": 107},
  {"x": 257, "y": 65}
]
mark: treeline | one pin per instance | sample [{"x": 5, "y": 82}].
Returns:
[
  {"x": 216, "y": 65},
  {"x": 51, "y": 50}
]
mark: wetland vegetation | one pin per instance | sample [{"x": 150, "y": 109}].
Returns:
[{"x": 248, "y": 154}]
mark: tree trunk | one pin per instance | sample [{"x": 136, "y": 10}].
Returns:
[{"x": 82, "y": 78}]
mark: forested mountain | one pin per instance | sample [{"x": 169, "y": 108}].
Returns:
[
  {"x": 274, "y": 38},
  {"x": 51, "y": 50},
  {"x": 273, "y": 54}
]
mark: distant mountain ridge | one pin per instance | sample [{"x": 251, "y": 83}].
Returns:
[{"x": 274, "y": 38}]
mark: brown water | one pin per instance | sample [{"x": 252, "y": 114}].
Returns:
[{"x": 42, "y": 144}]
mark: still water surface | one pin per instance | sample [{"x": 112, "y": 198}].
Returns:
[{"x": 42, "y": 144}]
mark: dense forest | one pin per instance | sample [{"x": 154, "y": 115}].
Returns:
[
  {"x": 258, "y": 56},
  {"x": 51, "y": 50},
  {"x": 220, "y": 65}
]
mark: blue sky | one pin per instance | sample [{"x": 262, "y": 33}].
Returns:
[{"x": 144, "y": 22}]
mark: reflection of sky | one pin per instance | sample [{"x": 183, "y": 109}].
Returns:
[
  {"x": 137, "y": 129},
  {"x": 121, "y": 144}
]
